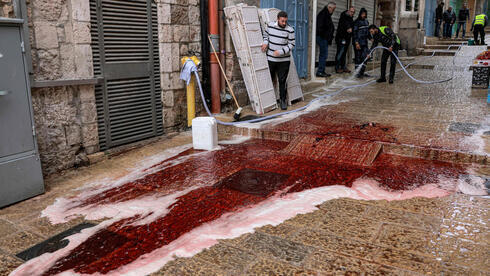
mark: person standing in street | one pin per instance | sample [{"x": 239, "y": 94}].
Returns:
[
  {"x": 343, "y": 38},
  {"x": 463, "y": 17},
  {"x": 449, "y": 17},
  {"x": 390, "y": 40},
  {"x": 324, "y": 36},
  {"x": 278, "y": 44},
  {"x": 478, "y": 28},
  {"x": 439, "y": 13},
  {"x": 361, "y": 36}
]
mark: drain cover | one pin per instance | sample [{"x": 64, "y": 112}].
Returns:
[
  {"x": 52, "y": 244},
  {"x": 464, "y": 127},
  {"x": 341, "y": 150},
  {"x": 253, "y": 182}
]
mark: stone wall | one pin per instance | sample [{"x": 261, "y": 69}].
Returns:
[
  {"x": 65, "y": 116},
  {"x": 66, "y": 128},
  {"x": 6, "y": 8},
  {"x": 408, "y": 32},
  {"x": 179, "y": 35}
]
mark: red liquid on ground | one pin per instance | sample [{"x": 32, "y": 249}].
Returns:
[{"x": 239, "y": 176}]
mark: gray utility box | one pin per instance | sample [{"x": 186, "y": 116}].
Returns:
[{"x": 20, "y": 167}]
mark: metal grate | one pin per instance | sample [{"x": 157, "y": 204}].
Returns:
[
  {"x": 337, "y": 150},
  {"x": 126, "y": 58}
]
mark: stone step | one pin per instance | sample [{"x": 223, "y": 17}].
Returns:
[
  {"x": 438, "y": 41},
  {"x": 445, "y": 42},
  {"x": 439, "y": 52},
  {"x": 440, "y": 47},
  {"x": 427, "y": 153},
  {"x": 443, "y": 47}
]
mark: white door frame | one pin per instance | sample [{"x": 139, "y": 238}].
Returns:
[{"x": 313, "y": 41}]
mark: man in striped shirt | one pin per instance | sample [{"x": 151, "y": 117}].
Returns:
[{"x": 278, "y": 44}]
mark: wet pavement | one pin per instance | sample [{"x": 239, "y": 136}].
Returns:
[{"x": 387, "y": 179}]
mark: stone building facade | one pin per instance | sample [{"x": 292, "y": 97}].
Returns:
[{"x": 65, "y": 115}]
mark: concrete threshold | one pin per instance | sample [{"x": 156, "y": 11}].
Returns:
[{"x": 439, "y": 53}]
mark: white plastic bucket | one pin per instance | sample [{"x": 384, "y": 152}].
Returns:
[{"x": 204, "y": 133}]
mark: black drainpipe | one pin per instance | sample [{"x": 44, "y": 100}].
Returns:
[{"x": 206, "y": 84}]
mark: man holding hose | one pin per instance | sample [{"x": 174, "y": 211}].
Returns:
[{"x": 390, "y": 40}]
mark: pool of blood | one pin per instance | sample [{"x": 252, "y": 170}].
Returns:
[{"x": 228, "y": 180}]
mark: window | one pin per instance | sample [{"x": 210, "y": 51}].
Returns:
[{"x": 408, "y": 5}]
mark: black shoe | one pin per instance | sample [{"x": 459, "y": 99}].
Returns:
[
  {"x": 284, "y": 105},
  {"x": 391, "y": 81},
  {"x": 321, "y": 74},
  {"x": 359, "y": 76},
  {"x": 366, "y": 75},
  {"x": 381, "y": 80}
]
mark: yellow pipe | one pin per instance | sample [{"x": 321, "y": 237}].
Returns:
[
  {"x": 191, "y": 101},
  {"x": 191, "y": 93}
]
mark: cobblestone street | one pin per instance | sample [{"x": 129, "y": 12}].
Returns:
[{"x": 387, "y": 179}]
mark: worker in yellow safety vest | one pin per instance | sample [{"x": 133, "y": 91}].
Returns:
[
  {"x": 387, "y": 37},
  {"x": 478, "y": 27}
]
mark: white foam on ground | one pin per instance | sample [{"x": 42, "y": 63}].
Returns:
[
  {"x": 472, "y": 185},
  {"x": 236, "y": 139},
  {"x": 476, "y": 141},
  {"x": 274, "y": 211},
  {"x": 288, "y": 117}
]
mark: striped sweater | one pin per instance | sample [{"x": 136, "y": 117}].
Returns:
[{"x": 279, "y": 39}]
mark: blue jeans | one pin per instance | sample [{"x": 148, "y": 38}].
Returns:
[
  {"x": 322, "y": 58},
  {"x": 438, "y": 29},
  {"x": 341, "y": 55},
  {"x": 447, "y": 30},
  {"x": 461, "y": 24}
]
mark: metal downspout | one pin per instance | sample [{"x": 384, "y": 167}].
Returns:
[
  {"x": 222, "y": 50},
  {"x": 214, "y": 68},
  {"x": 203, "y": 8}
]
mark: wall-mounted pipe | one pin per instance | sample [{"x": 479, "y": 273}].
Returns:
[
  {"x": 222, "y": 51},
  {"x": 203, "y": 8},
  {"x": 214, "y": 67}
]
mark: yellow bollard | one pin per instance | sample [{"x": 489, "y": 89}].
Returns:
[{"x": 191, "y": 93}]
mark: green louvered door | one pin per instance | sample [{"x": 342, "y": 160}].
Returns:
[{"x": 125, "y": 53}]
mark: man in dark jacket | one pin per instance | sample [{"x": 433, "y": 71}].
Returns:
[
  {"x": 390, "y": 40},
  {"x": 324, "y": 36},
  {"x": 361, "y": 36},
  {"x": 449, "y": 17},
  {"x": 343, "y": 38},
  {"x": 463, "y": 17},
  {"x": 439, "y": 12}
]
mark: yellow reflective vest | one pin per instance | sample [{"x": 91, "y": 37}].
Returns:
[
  {"x": 382, "y": 30},
  {"x": 479, "y": 20}
]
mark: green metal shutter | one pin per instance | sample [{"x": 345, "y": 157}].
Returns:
[{"x": 126, "y": 58}]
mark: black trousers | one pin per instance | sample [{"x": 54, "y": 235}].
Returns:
[
  {"x": 384, "y": 59},
  {"x": 281, "y": 69},
  {"x": 479, "y": 29}
]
